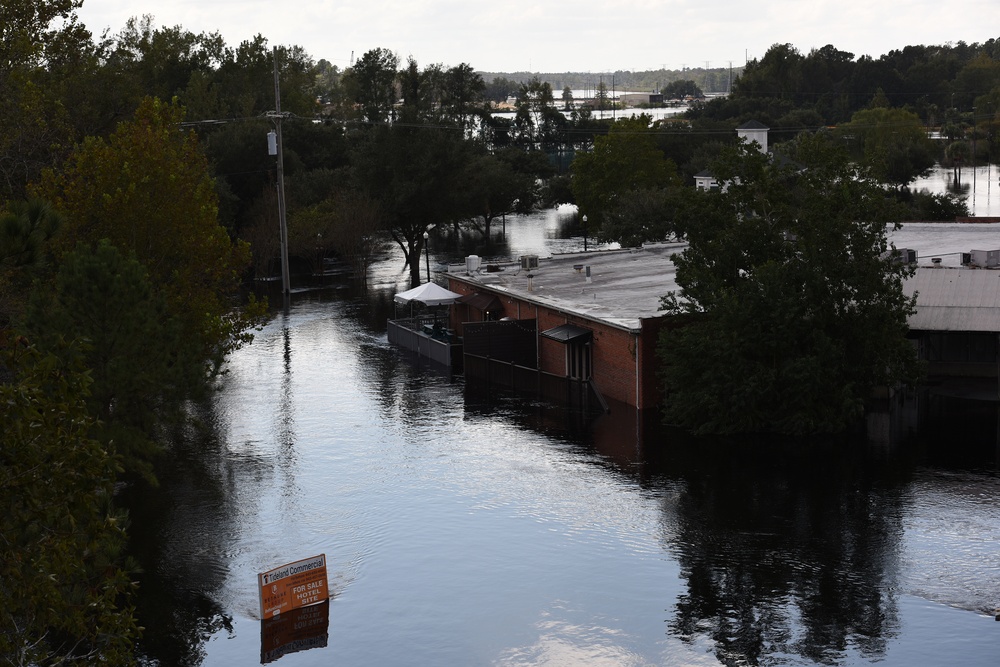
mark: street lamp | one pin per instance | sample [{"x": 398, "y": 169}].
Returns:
[
  {"x": 585, "y": 233},
  {"x": 427, "y": 254},
  {"x": 319, "y": 256}
]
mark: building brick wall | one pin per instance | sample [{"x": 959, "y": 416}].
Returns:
[{"x": 616, "y": 355}]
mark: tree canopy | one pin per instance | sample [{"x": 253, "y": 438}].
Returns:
[
  {"x": 64, "y": 591},
  {"x": 892, "y": 142},
  {"x": 148, "y": 191},
  {"x": 792, "y": 310},
  {"x": 103, "y": 300},
  {"x": 680, "y": 89},
  {"x": 623, "y": 162}
]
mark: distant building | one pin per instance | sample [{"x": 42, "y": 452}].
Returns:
[{"x": 637, "y": 99}]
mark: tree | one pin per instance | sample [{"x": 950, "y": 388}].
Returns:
[
  {"x": 147, "y": 190},
  {"x": 567, "y": 98},
  {"x": 413, "y": 173},
  {"x": 243, "y": 84},
  {"x": 64, "y": 593},
  {"x": 681, "y": 88},
  {"x": 372, "y": 85},
  {"x": 957, "y": 153},
  {"x": 623, "y": 161},
  {"x": 494, "y": 188},
  {"x": 103, "y": 301},
  {"x": 790, "y": 310},
  {"x": 346, "y": 222},
  {"x": 161, "y": 62},
  {"x": 463, "y": 95},
  {"x": 644, "y": 215},
  {"x": 43, "y": 49},
  {"x": 535, "y": 113},
  {"x": 979, "y": 76},
  {"x": 892, "y": 142},
  {"x": 26, "y": 229},
  {"x": 601, "y": 96}
]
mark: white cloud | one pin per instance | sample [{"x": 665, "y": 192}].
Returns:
[{"x": 588, "y": 35}]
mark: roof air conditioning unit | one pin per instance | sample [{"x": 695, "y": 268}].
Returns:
[
  {"x": 903, "y": 255},
  {"x": 529, "y": 261},
  {"x": 986, "y": 258},
  {"x": 472, "y": 263}
]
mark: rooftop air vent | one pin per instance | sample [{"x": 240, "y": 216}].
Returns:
[{"x": 529, "y": 262}]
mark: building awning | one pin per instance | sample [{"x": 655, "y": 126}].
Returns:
[
  {"x": 482, "y": 302},
  {"x": 568, "y": 333}
]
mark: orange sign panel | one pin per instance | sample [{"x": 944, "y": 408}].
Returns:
[{"x": 292, "y": 586}]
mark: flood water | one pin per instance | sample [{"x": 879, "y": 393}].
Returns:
[
  {"x": 468, "y": 527},
  {"x": 978, "y": 186}
]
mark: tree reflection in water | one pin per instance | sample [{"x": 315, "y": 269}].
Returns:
[
  {"x": 786, "y": 550},
  {"x": 188, "y": 510}
]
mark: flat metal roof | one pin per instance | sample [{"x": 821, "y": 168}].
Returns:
[
  {"x": 947, "y": 240},
  {"x": 625, "y": 285}
]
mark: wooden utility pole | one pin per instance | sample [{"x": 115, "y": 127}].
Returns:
[{"x": 276, "y": 116}]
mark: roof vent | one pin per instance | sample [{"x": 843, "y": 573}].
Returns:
[
  {"x": 529, "y": 262},
  {"x": 472, "y": 263}
]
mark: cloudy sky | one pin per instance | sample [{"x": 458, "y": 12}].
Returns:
[{"x": 580, "y": 36}]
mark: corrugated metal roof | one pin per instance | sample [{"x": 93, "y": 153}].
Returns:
[{"x": 955, "y": 299}]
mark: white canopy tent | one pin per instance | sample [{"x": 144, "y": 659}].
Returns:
[{"x": 429, "y": 294}]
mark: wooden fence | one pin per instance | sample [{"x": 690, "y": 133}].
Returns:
[{"x": 509, "y": 375}]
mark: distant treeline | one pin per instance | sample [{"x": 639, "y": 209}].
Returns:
[{"x": 928, "y": 80}]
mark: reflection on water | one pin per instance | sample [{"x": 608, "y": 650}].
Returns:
[
  {"x": 789, "y": 552},
  {"x": 464, "y": 527},
  {"x": 978, "y": 186}
]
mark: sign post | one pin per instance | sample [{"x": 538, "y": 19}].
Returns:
[{"x": 292, "y": 586}]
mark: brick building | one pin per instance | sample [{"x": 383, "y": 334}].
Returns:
[{"x": 585, "y": 320}]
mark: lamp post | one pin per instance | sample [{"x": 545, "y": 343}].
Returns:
[
  {"x": 585, "y": 233},
  {"x": 427, "y": 254},
  {"x": 973, "y": 160},
  {"x": 319, "y": 256}
]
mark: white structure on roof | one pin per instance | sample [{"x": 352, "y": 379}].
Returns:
[{"x": 751, "y": 131}]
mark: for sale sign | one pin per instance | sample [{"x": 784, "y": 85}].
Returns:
[{"x": 292, "y": 586}]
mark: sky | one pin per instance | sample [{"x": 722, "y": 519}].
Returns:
[{"x": 580, "y": 36}]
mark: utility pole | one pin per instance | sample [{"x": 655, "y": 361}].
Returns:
[{"x": 276, "y": 116}]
